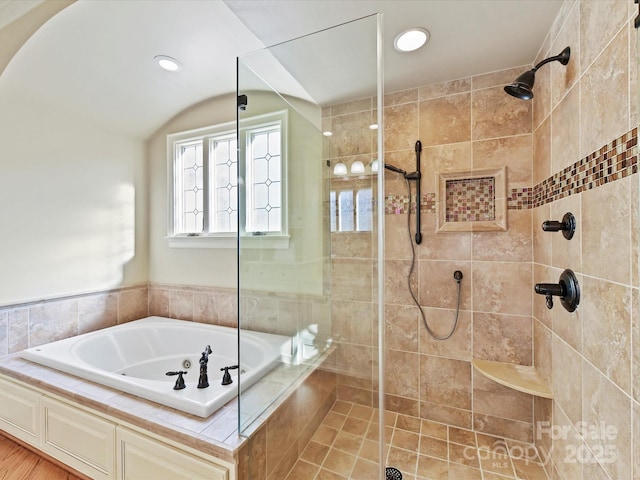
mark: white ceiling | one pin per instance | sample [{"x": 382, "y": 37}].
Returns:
[{"x": 94, "y": 58}]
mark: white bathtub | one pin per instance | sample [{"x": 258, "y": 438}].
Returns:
[{"x": 134, "y": 358}]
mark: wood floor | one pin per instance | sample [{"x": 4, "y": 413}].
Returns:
[{"x": 18, "y": 463}]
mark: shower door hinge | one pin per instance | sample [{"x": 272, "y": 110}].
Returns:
[{"x": 242, "y": 102}]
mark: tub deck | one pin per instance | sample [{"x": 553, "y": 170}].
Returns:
[{"x": 216, "y": 435}]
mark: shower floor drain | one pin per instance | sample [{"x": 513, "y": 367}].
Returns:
[{"x": 393, "y": 474}]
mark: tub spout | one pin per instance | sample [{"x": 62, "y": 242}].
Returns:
[{"x": 203, "y": 381}]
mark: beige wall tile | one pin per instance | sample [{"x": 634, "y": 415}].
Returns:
[
  {"x": 402, "y": 373},
  {"x": 352, "y": 244},
  {"x": 404, "y": 96},
  {"x": 514, "y": 152},
  {"x": 563, "y": 77},
  {"x": 565, "y": 132},
  {"x": 52, "y": 321},
  {"x": 351, "y": 279},
  {"x": 503, "y": 338},
  {"x": 445, "y": 120},
  {"x": 514, "y": 245},
  {"x": 606, "y": 311},
  {"x": 604, "y": 116},
  {"x": 600, "y": 210},
  {"x": 133, "y": 304},
  {"x": 497, "y": 79},
  {"x": 440, "y": 246},
  {"x": 97, "y": 311},
  {"x": 452, "y": 157},
  {"x": 564, "y": 445},
  {"x": 566, "y": 253},
  {"x": 496, "y": 114},
  {"x": 502, "y": 287},
  {"x": 4, "y": 334},
  {"x": 446, "y": 381},
  {"x": 599, "y": 22},
  {"x": 452, "y": 87},
  {"x": 400, "y": 127},
  {"x": 351, "y": 134},
  {"x": 605, "y": 404},
  {"x": 402, "y": 328},
  {"x": 437, "y": 412},
  {"x": 521, "y": 431},
  {"x": 158, "y": 301},
  {"x": 542, "y": 241},
  {"x": 361, "y": 105},
  {"x": 541, "y": 96},
  {"x": 635, "y": 345},
  {"x": 542, "y": 152},
  {"x": 542, "y": 351},
  {"x": 17, "y": 329},
  {"x": 439, "y": 289},
  {"x": 491, "y": 398},
  {"x": 567, "y": 379},
  {"x": 441, "y": 321}
]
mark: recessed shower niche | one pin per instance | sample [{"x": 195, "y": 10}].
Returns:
[{"x": 471, "y": 201}]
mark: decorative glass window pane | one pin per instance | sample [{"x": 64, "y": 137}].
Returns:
[
  {"x": 190, "y": 181},
  {"x": 333, "y": 211},
  {"x": 264, "y": 180},
  {"x": 225, "y": 182},
  {"x": 345, "y": 209},
  {"x": 364, "y": 210}
]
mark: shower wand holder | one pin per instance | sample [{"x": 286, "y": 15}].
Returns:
[{"x": 567, "y": 289}]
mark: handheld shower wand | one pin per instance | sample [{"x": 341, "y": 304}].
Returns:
[{"x": 417, "y": 176}]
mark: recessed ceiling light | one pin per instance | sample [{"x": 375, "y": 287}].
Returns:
[
  {"x": 411, "y": 39},
  {"x": 168, "y": 63}
]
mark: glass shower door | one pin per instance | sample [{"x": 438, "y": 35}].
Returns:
[{"x": 308, "y": 270}]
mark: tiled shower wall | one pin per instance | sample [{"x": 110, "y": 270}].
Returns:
[
  {"x": 584, "y": 118},
  {"x": 463, "y": 125}
]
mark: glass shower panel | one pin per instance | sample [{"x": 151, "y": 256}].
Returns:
[{"x": 308, "y": 246}]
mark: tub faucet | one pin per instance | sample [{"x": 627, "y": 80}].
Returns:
[{"x": 203, "y": 381}]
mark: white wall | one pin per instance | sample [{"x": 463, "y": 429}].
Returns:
[
  {"x": 297, "y": 269},
  {"x": 72, "y": 204}
]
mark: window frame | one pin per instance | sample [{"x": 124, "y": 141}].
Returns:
[{"x": 275, "y": 240}]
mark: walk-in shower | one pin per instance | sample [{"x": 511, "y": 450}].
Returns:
[{"x": 457, "y": 275}]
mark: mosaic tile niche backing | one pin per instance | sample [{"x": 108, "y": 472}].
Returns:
[{"x": 470, "y": 200}]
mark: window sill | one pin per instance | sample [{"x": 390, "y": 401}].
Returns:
[{"x": 275, "y": 242}]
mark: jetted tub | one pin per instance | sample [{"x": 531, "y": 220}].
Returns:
[{"x": 134, "y": 358}]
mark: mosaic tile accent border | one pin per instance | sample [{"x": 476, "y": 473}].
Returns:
[
  {"x": 470, "y": 199},
  {"x": 614, "y": 161},
  {"x": 399, "y": 204}
]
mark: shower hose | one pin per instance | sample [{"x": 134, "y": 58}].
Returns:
[{"x": 458, "y": 278}]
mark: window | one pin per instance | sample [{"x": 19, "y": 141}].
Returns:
[
  {"x": 203, "y": 169},
  {"x": 350, "y": 209}
]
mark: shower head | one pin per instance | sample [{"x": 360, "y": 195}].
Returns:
[
  {"x": 393, "y": 168},
  {"x": 522, "y": 87}
]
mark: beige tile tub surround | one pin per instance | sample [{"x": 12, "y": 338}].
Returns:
[{"x": 32, "y": 324}]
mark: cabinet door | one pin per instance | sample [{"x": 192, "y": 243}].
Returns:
[
  {"x": 19, "y": 412},
  {"x": 142, "y": 458},
  {"x": 79, "y": 439}
]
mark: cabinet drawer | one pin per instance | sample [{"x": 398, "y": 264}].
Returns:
[
  {"x": 19, "y": 412},
  {"x": 79, "y": 439},
  {"x": 141, "y": 458}
]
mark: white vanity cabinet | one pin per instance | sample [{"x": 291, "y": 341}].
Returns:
[
  {"x": 20, "y": 412},
  {"x": 79, "y": 439},
  {"x": 98, "y": 445},
  {"x": 142, "y": 458}
]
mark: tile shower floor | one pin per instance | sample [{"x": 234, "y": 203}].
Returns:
[{"x": 345, "y": 447}]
